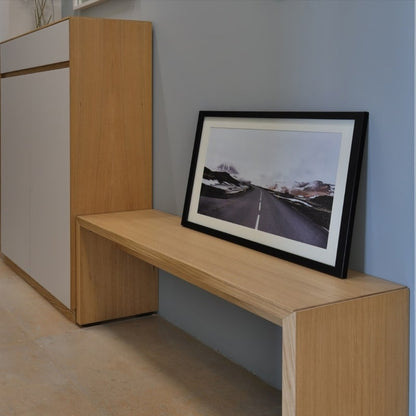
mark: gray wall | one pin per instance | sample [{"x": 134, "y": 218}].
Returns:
[{"x": 284, "y": 55}]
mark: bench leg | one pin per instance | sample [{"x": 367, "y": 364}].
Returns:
[
  {"x": 111, "y": 284},
  {"x": 348, "y": 358}
]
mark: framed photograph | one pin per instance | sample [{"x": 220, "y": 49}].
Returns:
[
  {"x": 284, "y": 183},
  {"x": 82, "y": 4}
]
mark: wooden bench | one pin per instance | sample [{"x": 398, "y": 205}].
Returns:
[{"x": 345, "y": 342}]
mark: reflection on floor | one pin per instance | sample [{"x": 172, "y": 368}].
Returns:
[{"x": 137, "y": 367}]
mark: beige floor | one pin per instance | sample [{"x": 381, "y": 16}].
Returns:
[{"x": 141, "y": 367}]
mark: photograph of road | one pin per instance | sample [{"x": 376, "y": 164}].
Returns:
[{"x": 278, "y": 182}]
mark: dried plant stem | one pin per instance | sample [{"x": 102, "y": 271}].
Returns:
[{"x": 40, "y": 10}]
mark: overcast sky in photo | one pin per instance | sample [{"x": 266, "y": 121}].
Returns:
[{"x": 268, "y": 156}]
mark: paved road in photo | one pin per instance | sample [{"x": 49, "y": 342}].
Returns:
[{"x": 259, "y": 209}]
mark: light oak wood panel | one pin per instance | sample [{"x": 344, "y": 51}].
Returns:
[
  {"x": 42, "y": 68},
  {"x": 265, "y": 285},
  {"x": 352, "y": 357},
  {"x": 111, "y": 118},
  {"x": 289, "y": 366},
  {"x": 111, "y": 105},
  {"x": 114, "y": 284}
]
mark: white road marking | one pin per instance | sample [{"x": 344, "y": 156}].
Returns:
[
  {"x": 257, "y": 222},
  {"x": 258, "y": 215}
]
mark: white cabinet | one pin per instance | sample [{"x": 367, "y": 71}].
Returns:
[
  {"x": 35, "y": 178},
  {"x": 50, "y": 185},
  {"x": 15, "y": 174},
  {"x": 42, "y": 47},
  {"x": 75, "y": 139}
]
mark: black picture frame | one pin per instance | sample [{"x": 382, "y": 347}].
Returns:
[{"x": 283, "y": 183}]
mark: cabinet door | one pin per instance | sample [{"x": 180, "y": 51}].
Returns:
[
  {"x": 49, "y": 183},
  {"x": 36, "y": 217},
  {"x": 15, "y": 173},
  {"x": 41, "y": 47}
]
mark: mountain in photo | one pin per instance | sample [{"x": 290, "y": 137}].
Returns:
[
  {"x": 304, "y": 189},
  {"x": 227, "y": 167},
  {"x": 223, "y": 182}
]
